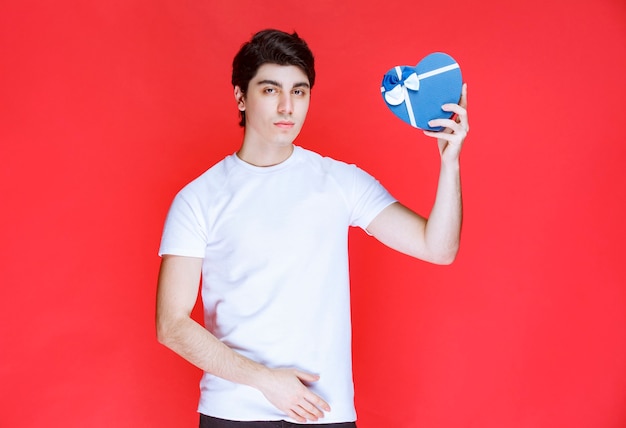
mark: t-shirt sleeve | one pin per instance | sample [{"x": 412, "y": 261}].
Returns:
[
  {"x": 368, "y": 198},
  {"x": 184, "y": 233}
]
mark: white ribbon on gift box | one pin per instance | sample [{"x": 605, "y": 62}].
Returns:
[{"x": 399, "y": 93}]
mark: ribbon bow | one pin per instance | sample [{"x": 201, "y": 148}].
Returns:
[{"x": 406, "y": 79}]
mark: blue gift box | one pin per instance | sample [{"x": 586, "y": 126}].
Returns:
[{"x": 416, "y": 94}]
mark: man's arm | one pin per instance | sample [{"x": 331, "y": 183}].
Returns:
[
  {"x": 435, "y": 239},
  {"x": 177, "y": 291}
]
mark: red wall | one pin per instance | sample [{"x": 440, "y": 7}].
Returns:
[{"x": 108, "y": 108}]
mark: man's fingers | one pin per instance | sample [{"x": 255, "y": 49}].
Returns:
[
  {"x": 458, "y": 124},
  {"x": 295, "y": 416},
  {"x": 313, "y": 407},
  {"x": 463, "y": 101},
  {"x": 444, "y": 123},
  {"x": 309, "y": 411},
  {"x": 319, "y": 403},
  {"x": 457, "y": 109},
  {"x": 305, "y": 411},
  {"x": 307, "y": 377},
  {"x": 289, "y": 392},
  {"x": 312, "y": 398}
]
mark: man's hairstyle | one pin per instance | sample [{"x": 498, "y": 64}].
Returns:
[{"x": 270, "y": 47}]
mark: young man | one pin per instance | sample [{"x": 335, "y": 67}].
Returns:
[{"x": 266, "y": 231}]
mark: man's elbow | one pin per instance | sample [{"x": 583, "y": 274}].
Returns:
[
  {"x": 161, "y": 333},
  {"x": 165, "y": 331},
  {"x": 444, "y": 258},
  {"x": 445, "y": 261}
]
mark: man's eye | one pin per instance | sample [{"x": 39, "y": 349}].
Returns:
[
  {"x": 270, "y": 90},
  {"x": 298, "y": 92}
]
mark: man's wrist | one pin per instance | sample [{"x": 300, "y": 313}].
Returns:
[
  {"x": 257, "y": 375},
  {"x": 452, "y": 164}
]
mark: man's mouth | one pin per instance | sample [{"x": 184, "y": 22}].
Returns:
[{"x": 284, "y": 124}]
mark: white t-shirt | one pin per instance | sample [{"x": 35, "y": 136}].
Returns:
[{"x": 275, "y": 283}]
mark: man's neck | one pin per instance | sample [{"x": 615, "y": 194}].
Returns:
[{"x": 264, "y": 156}]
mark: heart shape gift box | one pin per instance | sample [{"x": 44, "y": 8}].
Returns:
[{"x": 416, "y": 94}]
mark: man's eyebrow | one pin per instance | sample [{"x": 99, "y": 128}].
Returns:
[
  {"x": 269, "y": 82},
  {"x": 280, "y": 85}
]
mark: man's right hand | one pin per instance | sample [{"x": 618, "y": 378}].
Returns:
[{"x": 286, "y": 390}]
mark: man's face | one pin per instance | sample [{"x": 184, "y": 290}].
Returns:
[{"x": 276, "y": 104}]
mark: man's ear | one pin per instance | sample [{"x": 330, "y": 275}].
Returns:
[{"x": 240, "y": 98}]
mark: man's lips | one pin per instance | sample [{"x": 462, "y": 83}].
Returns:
[{"x": 284, "y": 124}]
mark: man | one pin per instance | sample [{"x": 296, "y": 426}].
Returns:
[{"x": 266, "y": 231}]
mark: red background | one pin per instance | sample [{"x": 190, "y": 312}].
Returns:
[{"x": 108, "y": 108}]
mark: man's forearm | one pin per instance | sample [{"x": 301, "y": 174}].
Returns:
[
  {"x": 443, "y": 228},
  {"x": 201, "y": 348}
]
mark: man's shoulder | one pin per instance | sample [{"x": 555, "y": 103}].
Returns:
[
  {"x": 326, "y": 163},
  {"x": 211, "y": 179}
]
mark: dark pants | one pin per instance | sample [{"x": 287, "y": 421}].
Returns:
[{"x": 211, "y": 422}]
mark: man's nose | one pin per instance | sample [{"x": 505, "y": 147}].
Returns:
[{"x": 285, "y": 104}]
